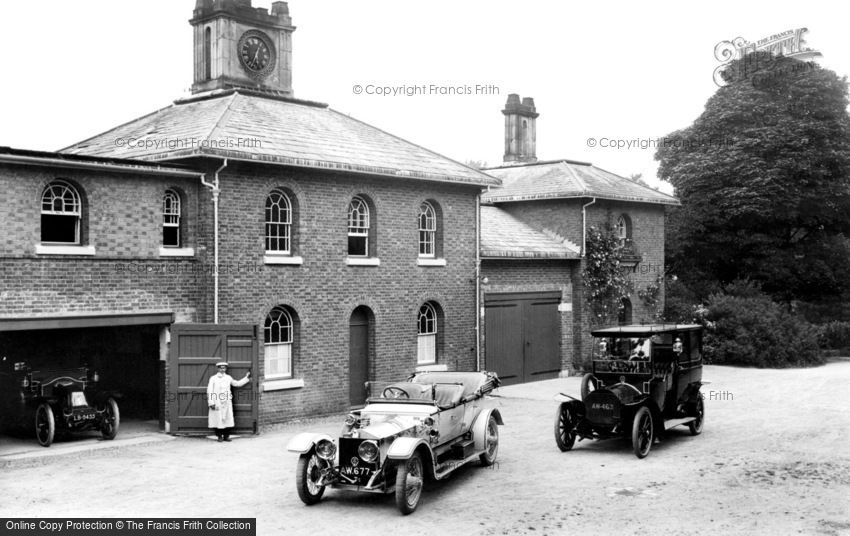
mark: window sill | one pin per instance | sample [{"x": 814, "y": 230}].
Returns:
[
  {"x": 430, "y": 262},
  {"x": 271, "y": 258},
  {"x": 42, "y": 249},
  {"x": 363, "y": 261},
  {"x": 281, "y": 385},
  {"x": 176, "y": 252},
  {"x": 434, "y": 367}
]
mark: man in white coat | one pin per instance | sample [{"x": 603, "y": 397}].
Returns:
[{"x": 221, "y": 401}]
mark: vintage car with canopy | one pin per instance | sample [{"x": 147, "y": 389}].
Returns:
[
  {"x": 426, "y": 427},
  {"x": 55, "y": 401},
  {"x": 645, "y": 380}
]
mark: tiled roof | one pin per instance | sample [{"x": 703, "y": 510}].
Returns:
[
  {"x": 242, "y": 125},
  {"x": 504, "y": 236},
  {"x": 560, "y": 179}
]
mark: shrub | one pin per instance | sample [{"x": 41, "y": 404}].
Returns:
[
  {"x": 748, "y": 328},
  {"x": 835, "y": 335}
]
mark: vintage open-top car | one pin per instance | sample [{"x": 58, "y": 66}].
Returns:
[
  {"x": 59, "y": 400},
  {"x": 426, "y": 427},
  {"x": 645, "y": 379}
]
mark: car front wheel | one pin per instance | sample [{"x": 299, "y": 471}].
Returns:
[
  {"x": 409, "y": 482},
  {"x": 491, "y": 443},
  {"x": 45, "y": 425},
  {"x": 307, "y": 477},
  {"x": 565, "y": 422},
  {"x": 110, "y": 419},
  {"x": 642, "y": 432},
  {"x": 695, "y": 426}
]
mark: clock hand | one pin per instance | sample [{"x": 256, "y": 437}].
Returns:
[{"x": 256, "y": 59}]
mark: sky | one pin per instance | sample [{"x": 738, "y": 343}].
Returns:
[{"x": 610, "y": 71}]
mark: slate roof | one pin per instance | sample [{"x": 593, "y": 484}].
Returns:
[
  {"x": 248, "y": 126},
  {"x": 504, "y": 236},
  {"x": 563, "y": 179}
]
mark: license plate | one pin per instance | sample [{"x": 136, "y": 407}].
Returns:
[{"x": 84, "y": 417}]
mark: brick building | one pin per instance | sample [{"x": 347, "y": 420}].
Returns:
[
  {"x": 240, "y": 224},
  {"x": 533, "y": 238}
]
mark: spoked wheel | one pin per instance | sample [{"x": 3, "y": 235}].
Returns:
[
  {"x": 565, "y": 423},
  {"x": 45, "y": 426},
  {"x": 588, "y": 385},
  {"x": 307, "y": 476},
  {"x": 409, "y": 482},
  {"x": 491, "y": 443},
  {"x": 696, "y": 426},
  {"x": 642, "y": 432},
  {"x": 110, "y": 419}
]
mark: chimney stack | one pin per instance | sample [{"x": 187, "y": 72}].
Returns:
[{"x": 520, "y": 130}]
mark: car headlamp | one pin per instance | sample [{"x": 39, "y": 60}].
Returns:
[
  {"x": 368, "y": 450},
  {"x": 325, "y": 449}
]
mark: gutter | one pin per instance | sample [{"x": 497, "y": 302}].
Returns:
[
  {"x": 216, "y": 192},
  {"x": 62, "y": 163},
  {"x": 584, "y": 227},
  {"x": 478, "y": 305}
]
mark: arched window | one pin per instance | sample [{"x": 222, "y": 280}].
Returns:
[
  {"x": 624, "y": 229},
  {"x": 278, "y": 223},
  {"x": 358, "y": 228},
  {"x": 61, "y": 213},
  {"x": 624, "y": 315},
  {"x": 171, "y": 219},
  {"x": 279, "y": 335},
  {"x": 427, "y": 230},
  {"x": 427, "y": 335}
]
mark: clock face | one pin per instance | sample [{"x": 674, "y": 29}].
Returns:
[{"x": 255, "y": 53}]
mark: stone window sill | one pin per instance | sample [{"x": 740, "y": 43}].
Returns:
[
  {"x": 44, "y": 249},
  {"x": 434, "y": 367},
  {"x": 271, "y": 258},
  {"x": 176, "y": 252},
  {"x": 424, "y": 261},
  {"x": 281, "y": 385},
  {"x": 363, "y": 261}
]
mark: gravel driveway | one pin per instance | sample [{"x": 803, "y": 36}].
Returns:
[{"x": 774, "y": 458}]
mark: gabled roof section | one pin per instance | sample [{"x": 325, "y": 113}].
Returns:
[
  {"x": 565, "y": 179},
  {"x": 505, "y": 237},
  {"x": 9, "y": 155},
  {"x": 259, "y": 127}
]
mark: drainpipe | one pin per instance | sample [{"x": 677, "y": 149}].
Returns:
[
  {"x": 584, "y": 227},
  {"x": 478, "y": 282},
  {"x": 216, "y": 191}
]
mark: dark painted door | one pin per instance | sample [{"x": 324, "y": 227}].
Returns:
[
  {"x": 358, "y": 356},
  {"x": 195, "y": 349},
  {"x": 522, "y": 336}
]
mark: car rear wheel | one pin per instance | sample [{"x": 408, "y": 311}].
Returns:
[
  {"x": 110, "y": 419},
  {"x": 642, "y": 432},
  {"x": 565, "y": 422},
  {"x": 491, "y": 443},
  {"x": 695, "y": 426},
  {"x": 588, "y": 385},
  {"x": 409, "y": 482},
  {"x": 307, "y": 476},
  {"x": 45, "y": 425}
]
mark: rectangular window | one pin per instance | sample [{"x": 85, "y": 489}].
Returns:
[
  {"x": 171, "y": 236},
  {"x": 426, "y": 243},
  {"x": 60, "y": 229},
  {"x": 277, "y": 237},
  {"x": 278, "y": 359},
  {"x": 358, "y": 244},
  {"x": 426, "y": 352}
]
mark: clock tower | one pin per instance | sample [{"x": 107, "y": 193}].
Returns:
[{"x": 240, "y": 46}]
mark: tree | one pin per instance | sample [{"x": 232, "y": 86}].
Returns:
[{"x": 764, "y": 180}]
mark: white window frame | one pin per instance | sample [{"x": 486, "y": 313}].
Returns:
[
  {"x": 278, "y": 333},
  {"x": 59, "y": 205},
  {"x": 359, "y": 223},
  {"x": 426, "y": 351},
  {"x": 283, "y": 223},
  {"x": 427, "y": 231},
  {"x": 171, "y": 215}
]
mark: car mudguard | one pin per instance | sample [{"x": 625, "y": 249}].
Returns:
[
  {"x": 404, "y": 447},
  {"x": 563, "y": 397},
  {"x": 305, "y": 441},
  {"x": 479, "y": 427}
]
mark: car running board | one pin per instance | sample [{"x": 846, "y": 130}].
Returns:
[
  {"x": 443, "y": 470},
  {"x": 676, "y": 422}
]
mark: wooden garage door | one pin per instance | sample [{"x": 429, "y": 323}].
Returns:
[
  {"x": 195, "y": 349},
  {"x": 522, "y": 336}
]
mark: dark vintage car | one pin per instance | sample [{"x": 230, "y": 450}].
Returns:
[
  {"x": 55, "y": 401},
  {"x": 645, "y": 380},
  {"x": 423, "y": 428}
]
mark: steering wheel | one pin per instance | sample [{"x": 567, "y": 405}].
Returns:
[{"x": 394, "y": 392}]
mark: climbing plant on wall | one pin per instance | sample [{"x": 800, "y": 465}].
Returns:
[{"x": 604, "y": 281}]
